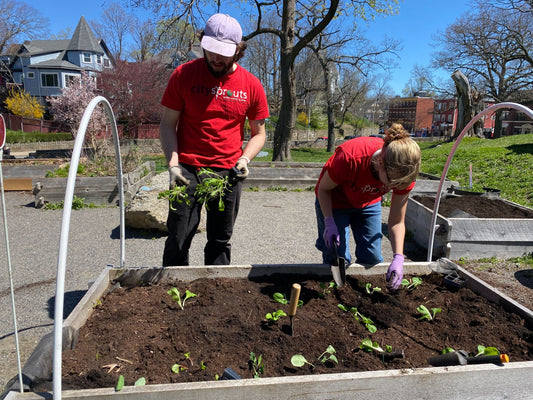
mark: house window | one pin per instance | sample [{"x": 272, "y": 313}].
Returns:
[
  {"x": 49, "y": 80},
  {"x": 31, "y": 75},
  {"x": 107, "y": 64},
  {"x": 86, "y": 57},
  {"x": 69, "y": 79},
  {"x": 98, "y": 59}
]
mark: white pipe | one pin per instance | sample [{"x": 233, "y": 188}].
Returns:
[
  {"x": 487, "y": 110},
  {"x": 10, "y": 271},
  {"x": 63, "y": 241}
]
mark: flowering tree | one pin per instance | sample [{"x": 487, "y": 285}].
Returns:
[
  {"x": 70, "y": 106},
  {"x": 135, "y": 90},
  {"x": 20, "y": 102}
]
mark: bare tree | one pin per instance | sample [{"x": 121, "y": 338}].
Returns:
[
  {"x": 19, "y": 21},
  {"x": 480, "y": 45},
  {"x": 294, "y": 16},
  {"x": 115, "y": 26}
]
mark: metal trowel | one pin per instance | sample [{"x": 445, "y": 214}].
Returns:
[{"x": 338, "y": 267}]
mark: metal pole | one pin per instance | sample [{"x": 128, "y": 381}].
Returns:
[{"x": 65, "y": 226}]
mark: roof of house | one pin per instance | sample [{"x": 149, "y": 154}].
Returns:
[{"x": 82, "y": 39}]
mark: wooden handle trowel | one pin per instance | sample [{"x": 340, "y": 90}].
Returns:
[{"x": 295, "y": 295}]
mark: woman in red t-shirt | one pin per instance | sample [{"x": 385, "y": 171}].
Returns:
[{"x": 349, "y": 192}]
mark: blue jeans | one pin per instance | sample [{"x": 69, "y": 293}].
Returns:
[{"x": 366, "y": 228}]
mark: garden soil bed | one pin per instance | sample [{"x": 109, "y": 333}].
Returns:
[
  {"x": 478, "y": 206},
  {"x": 141, "y": 332}
]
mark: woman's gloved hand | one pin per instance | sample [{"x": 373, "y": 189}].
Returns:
[
  {"x": 331, "y": 233},
  {"x": 395, "y": 272}
]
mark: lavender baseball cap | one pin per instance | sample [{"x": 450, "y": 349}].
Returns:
[{"x": 222, "y": 33}]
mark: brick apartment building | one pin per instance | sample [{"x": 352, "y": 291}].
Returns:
[{"x": 414, "y": 113}]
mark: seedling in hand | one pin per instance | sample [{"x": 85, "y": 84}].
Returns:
[
  {"x": 178, "y": 193},
  {"x": 273, "y": 317},
  {"x": 211, "y": 187},
  {"x": 175, "y": 293},
  {"x": 427, "y": 314},
  {"x": 411, "y": 284},
  {"x": 369, "y": 289},
  {"x": 257, "y": 365}
]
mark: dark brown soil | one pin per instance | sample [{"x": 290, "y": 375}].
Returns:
[
  {"x": 478, "y": 206},
  {"x": 142, "y": 332}
]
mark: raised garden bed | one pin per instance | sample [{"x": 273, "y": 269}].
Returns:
[
  {"x": 141, "y": 332},
  {"x": 471, "y": 226}
]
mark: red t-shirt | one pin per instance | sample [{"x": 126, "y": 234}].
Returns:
[
  {"x": 213, "y": 112},
  {"x": 349, "y": 168}
]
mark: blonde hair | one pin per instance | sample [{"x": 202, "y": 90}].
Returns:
[{"x": 401, "y": 155}]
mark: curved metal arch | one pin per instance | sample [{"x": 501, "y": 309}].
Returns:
[
  {"x": 487, "y": 110},
  {"x": 65, "y": 227}
]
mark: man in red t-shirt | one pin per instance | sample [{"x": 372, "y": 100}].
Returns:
[
  {"x": 205, "y": 107},
  {"x": 349, "y": 192}
]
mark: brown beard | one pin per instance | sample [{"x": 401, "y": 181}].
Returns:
[{"x": 217, "y": 74}]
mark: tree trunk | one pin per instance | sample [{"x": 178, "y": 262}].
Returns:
[
  {"x": 287, "y": 114},
  {"x": 330, "y": 107},
  {"x": 464, "y": 102}
]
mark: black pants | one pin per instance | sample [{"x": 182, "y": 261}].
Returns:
[{"x": 183, "y": 221}]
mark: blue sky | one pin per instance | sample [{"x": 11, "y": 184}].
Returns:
[{"x": 415, "y": 25}]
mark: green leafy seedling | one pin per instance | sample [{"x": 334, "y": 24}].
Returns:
[
  {"x": 178, "y": 193},
  {"x": 299, "y": 360},
  {"x": 328, "y": 355},
  {"x": 211, "y": 187},
  {"x": 369, "y": 289},
  {"x": 280, "y": 298},
  {"x": 176, "y": 296},
  {"x": 411, "y": 284},
  {"x": 369, "y": 345},
  {"x": 120, "y": 383},
  {"x": 177, "y": 368},
  {"x": 273, "y": 317},
  {"x": 369, "y": 324},
  {"x": 140, "y": 382},
  {"x": 426, "y": 313},
  {"x": 326, "y": 288},
  {"x": 487, "y": 351},
  {"x": 447, "y": 350},
  {"x": 257, "y": 365}
]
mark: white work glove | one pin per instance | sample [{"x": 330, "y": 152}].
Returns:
[
  {"x": 176, "y": 177},
  {"x": 242, "y": 166}
]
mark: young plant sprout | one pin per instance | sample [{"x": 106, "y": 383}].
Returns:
[
  {"x": 175, "y": 293},
  {"x": 427, "y": 314},
  {"x": 273, "y": 317},
  {"x": 177, "y": 368},
  {"x": 411, "y": 284},
  {"x": 326, "y": 288},
  {"x": 257, "y": 365},
  {"x": 369, "y": 289},
  {"x": 280, "y": 298},
  {"x": 140, "y": 382},
  {"x": 299, "y": 360},
  {"x": 369, "y": 345},
  {"x": 328, "y": 355},
  {"x": 369, "y": 324},
  {"x": 487, "y": 351}
]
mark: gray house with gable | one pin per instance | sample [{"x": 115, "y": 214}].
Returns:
[{"x": 44, "y": 67}]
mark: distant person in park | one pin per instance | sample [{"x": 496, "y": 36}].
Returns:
[
  {"x": 349, "y": 192},
  {"x": 205, "y": 106}
]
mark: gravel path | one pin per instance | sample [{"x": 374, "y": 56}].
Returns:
[{"x": 272, "y": 227}]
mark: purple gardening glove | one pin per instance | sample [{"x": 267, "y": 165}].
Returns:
[
  {"x": 331, "y": 233},
  {"x": 395, "y": 272}
]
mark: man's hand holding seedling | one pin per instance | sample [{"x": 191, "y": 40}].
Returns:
[{"x": 176, "y": 177}]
